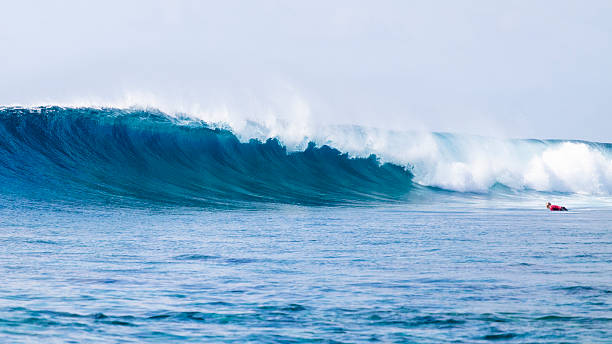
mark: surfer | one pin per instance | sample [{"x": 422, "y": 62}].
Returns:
[{"x": 553, "y": 207}]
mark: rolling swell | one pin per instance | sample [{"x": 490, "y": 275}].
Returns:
[{"x": 130, "y": 156}]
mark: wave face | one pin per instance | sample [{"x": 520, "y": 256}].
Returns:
[{"x": 126, "y": 156}]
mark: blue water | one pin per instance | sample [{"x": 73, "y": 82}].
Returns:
[{"x": 128, "y": 227}]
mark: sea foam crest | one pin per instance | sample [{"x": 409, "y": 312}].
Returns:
[{"x": 469, "y": 163}]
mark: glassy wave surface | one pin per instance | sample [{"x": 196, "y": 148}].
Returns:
[{"x": 130, "y": 155}]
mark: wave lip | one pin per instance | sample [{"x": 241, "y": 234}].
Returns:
[{"x": 124, "y": 156}]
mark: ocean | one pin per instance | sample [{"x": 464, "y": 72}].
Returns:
[{"x": 131, "y": 226}]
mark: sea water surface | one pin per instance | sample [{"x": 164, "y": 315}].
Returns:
[
  {"x": 296, "y": 274},
  {"x": 127, "y": 226}
]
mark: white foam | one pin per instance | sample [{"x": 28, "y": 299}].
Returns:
[{"x": 475, "y": 164}]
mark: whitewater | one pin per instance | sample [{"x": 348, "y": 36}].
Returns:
[{"x": 132, "y": 225}]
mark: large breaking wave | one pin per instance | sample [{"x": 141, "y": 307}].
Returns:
[
  {"x": 137, "y": 155},
  {"x": 116, "y": 155}
]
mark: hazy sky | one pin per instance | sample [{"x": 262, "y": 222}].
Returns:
[{"x": 516, "y": 68}]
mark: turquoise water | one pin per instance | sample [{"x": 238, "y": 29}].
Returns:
[
  {"x": 296, "y": 274},
  {"x": 134, "y": 226}
]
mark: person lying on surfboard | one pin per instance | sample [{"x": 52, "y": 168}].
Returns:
[{"x": 553, "y": 207}]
